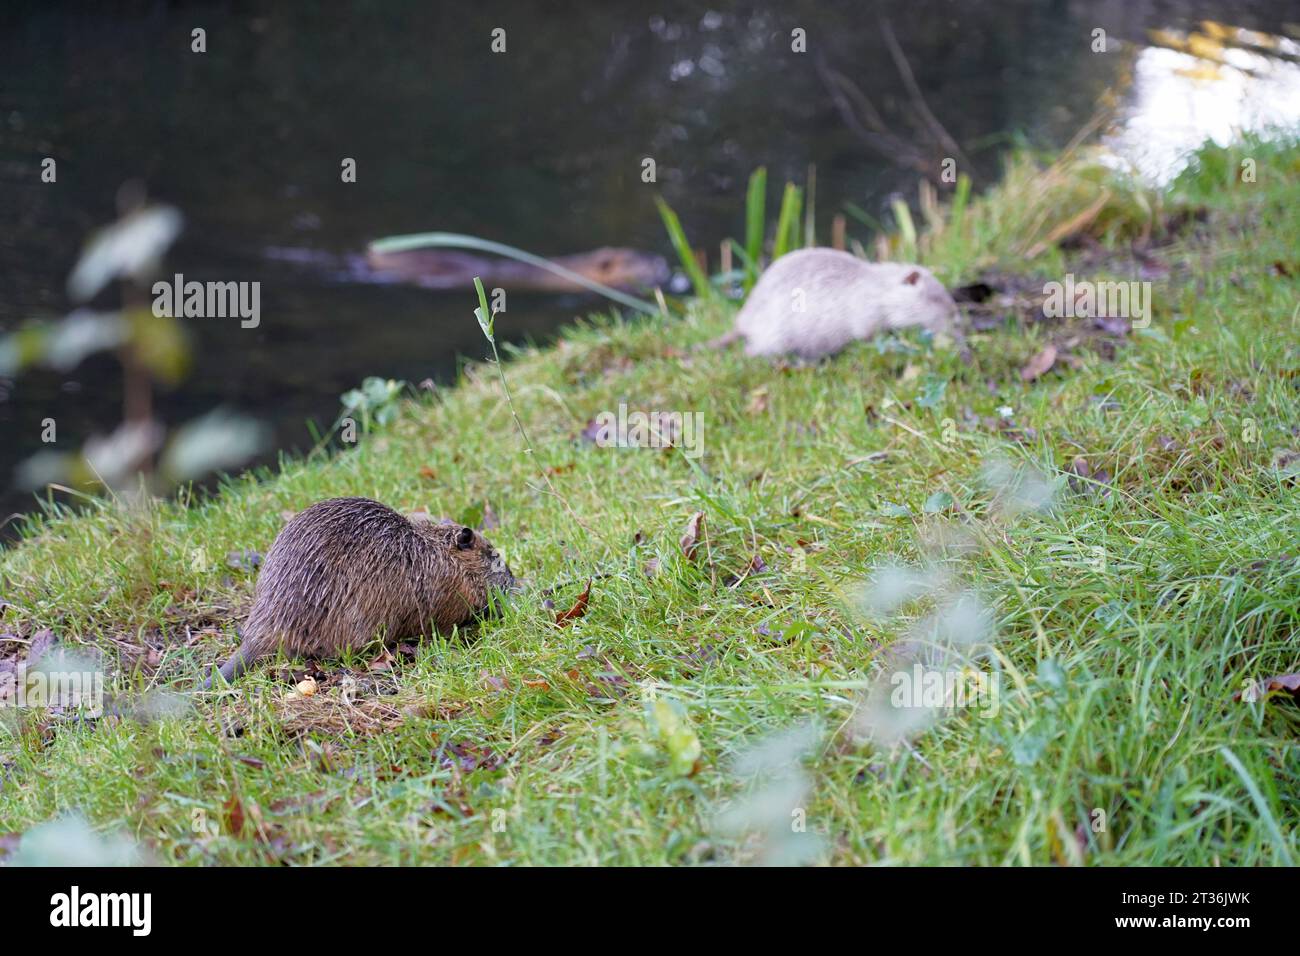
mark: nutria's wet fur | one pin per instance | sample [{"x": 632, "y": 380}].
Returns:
[
  {"x": 456, "y": 269},
  {"x": 347, "y": 571},
  {"x": 814, "y": 302}
]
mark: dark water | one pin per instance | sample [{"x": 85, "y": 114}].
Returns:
[{"x": 540, "y": 147}]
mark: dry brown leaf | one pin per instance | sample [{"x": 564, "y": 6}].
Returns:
[
  {"x": 1039, "y": 365},
  {"x": 578, "y": 610},
  {"x": 383, "y": 661},
  {"x": 690, "y": 541},
  {"x": 234, "y": 816}
]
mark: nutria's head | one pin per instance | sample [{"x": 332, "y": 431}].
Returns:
[
  {"x": 936, "y": 309},
  {"x": 482, "y": 561},
  {"x": 627, "y": 268},
  {"x": 483, "y": 576}
]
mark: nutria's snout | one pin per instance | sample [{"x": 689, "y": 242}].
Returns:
[{"x": 501, "y": 578}]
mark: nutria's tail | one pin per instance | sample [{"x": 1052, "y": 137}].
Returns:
[
  {"x": 232, "y": 668},
  {"x": 722, "y": 341}
]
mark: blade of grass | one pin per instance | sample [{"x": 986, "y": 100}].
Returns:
[
  {"x": 755, "y": 224},
  {"x": 685, "y": 254},
  {"x": 907, "y": 228},
  {"x": 787, "y": 224},
  {"x": 453, "y": 240},
  {"x": 959, "y": 199}
]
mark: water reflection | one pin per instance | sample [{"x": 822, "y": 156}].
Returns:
[{"x": 1213, "y": 83}]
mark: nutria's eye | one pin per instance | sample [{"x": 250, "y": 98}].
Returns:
[{"x": 465, "y": 538}]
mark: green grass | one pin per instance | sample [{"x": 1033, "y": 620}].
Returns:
[{"x": 1126, "y": 617}]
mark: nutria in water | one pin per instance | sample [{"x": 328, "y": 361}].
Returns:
[
  {"x": 814, "y": 302},
  {"x": 452, "y": 269},
  {"x": 346, "y": 571}
]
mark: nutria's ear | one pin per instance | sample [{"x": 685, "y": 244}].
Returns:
[
  {"x": 912, "y": 277},
  {"x": 465, "y": 538}
]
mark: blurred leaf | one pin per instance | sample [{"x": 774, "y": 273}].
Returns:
[
  {"x": 673, "y": 729},
  {"x": 83, "y": 332},
  {"x": 132, "y": 248},
  {"x": 22, "y": 348},
  {"x": 161, "y": 345},
  {"x": 217, "y": 441},
  {"x": 376, "y": 401},
  {"x": 44, "y": 468},
  {"x": 1050, "y": 674},
  {"x": 939, "y": 501},
  {"x": 932, "y": 392},
  {"x": 116, "y": 458}
]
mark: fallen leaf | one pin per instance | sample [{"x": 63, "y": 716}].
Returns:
[
  {"x": 758, "y": 400},
  {"x": 494, "y": 682},
  {"x": 469, "y": 757},
  {"x": 246, "y": 560},
  {"x": 42, "y": 641},
  {"x": 690, "y": 541},
  {"x": 1112, "y": 325},
  {"x": 298, "y": 802},
  {"x": 9, "y": 844},
  {"x": 578, "y": 610},
  {"x": 383, "y": 661},
  {"x": 1287, "y": 682},
  {"x": 1039, "y": 365},
  {"x": 234, "y": 816}
]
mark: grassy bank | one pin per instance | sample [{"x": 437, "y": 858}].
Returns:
[{"x": 1161, "y": 581}]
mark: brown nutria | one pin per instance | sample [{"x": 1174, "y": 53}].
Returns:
[
  {"x": 814, "y": 302},
  {"x": 452, "y": 269},
  {"x": 346, "y": 571}
]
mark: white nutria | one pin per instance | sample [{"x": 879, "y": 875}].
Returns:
[{"x": 814, "y": 302}]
